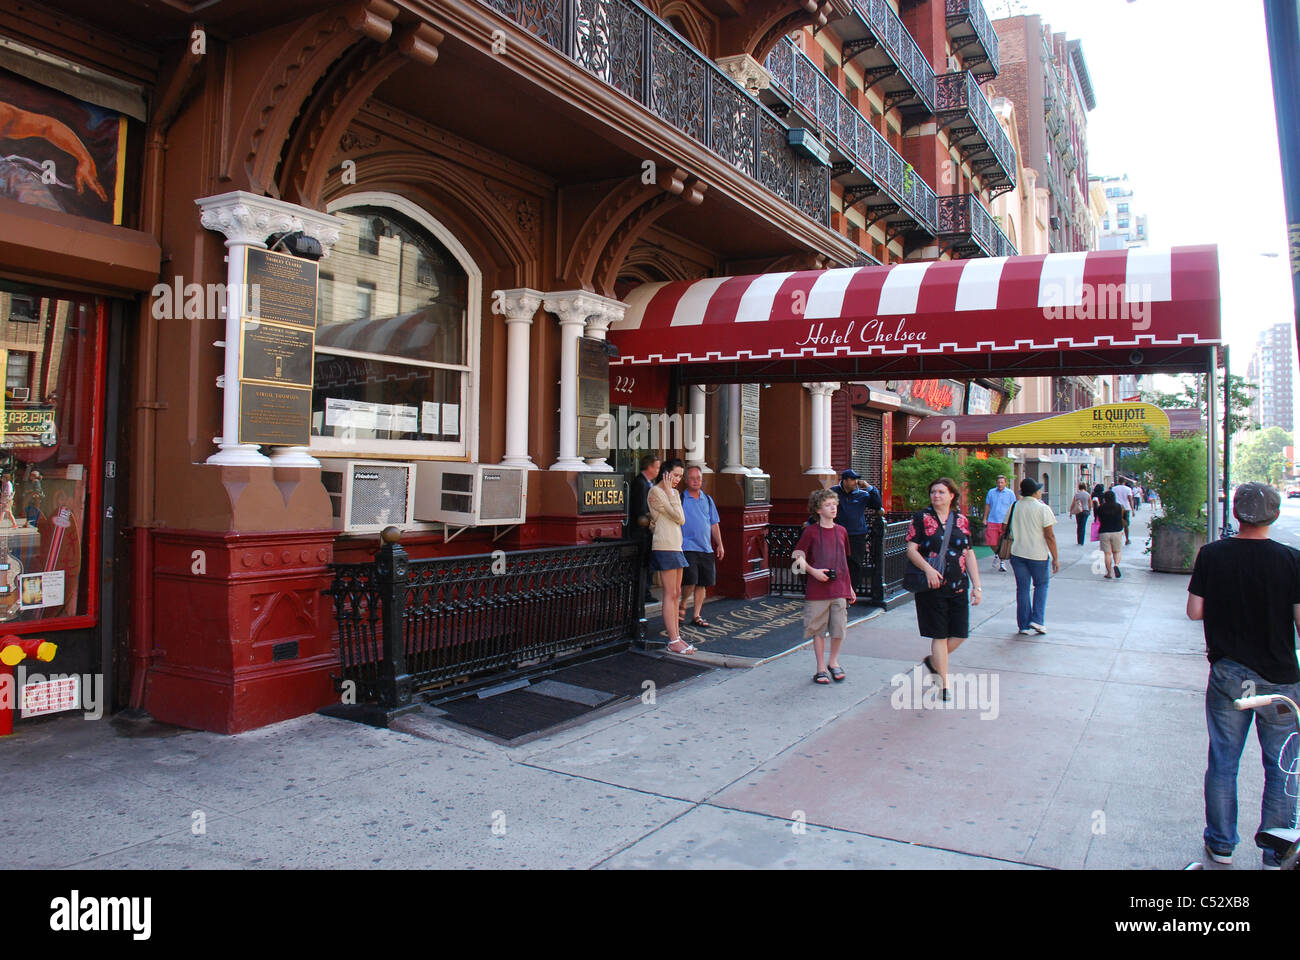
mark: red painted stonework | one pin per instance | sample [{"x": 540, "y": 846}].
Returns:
[
  {"x": 222, "y": 602},
  {"x": 744, "y": 533}
]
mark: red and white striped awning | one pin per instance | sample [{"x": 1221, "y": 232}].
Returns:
[{"x": 1065, "y": 301}]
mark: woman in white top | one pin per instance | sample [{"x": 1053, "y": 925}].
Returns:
[
  {"x": 667, "y": 518},
  {"x": 1033, "y": 542}
]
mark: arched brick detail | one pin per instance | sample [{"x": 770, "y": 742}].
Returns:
[{"x": 289, "y": 79}]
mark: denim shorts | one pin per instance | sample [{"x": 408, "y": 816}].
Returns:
[{"x": 667, "y": 560}]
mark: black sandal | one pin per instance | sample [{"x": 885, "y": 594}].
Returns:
[
  {"x": 701, "y": 622},
  {"x": 930, "y": 666},
  {"x": 821, "y": 677},
  {"x": 837, "y": 673}
]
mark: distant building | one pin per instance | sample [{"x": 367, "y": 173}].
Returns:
[
  {"x": 1046, "y": 77},
  {"x": 1271, "y": 370},
  {"x": 1122, "y": 225}
]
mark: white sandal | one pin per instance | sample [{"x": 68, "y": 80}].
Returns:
[{"x": 689, "y": 649}]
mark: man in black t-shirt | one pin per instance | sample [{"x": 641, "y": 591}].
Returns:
[{"x": 1247, "y": 591}]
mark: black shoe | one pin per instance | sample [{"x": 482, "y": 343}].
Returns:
[
  {"x": 930, "y": 666},
  {"x": 947, "y": 695},
  {"x": 1117, "y": 573}
]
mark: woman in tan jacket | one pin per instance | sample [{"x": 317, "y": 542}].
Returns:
[{"x": 666, "y": 555}]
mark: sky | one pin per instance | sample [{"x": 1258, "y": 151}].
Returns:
[{"x": 1185, "y": 108}]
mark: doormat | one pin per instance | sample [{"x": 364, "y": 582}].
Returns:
[
  {"x": 564, "y": 697},
  {"x": 750, "y": 632}
]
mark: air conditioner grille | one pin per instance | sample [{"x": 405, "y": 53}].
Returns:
[
  {"x": 502, "y": 494},
  {"x": 378, "y": 495}
]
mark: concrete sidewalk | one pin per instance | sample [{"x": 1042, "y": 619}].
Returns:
[{"x": 1090, "y": 754}]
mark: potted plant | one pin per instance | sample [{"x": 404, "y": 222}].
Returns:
[
  {"x": 913, "y": 475},
  {"x": 1175, "y": 468},
  {"x": 981, "y": 477}
]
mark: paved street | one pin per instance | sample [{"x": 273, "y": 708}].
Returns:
[{"x": 1083, "y": 748}]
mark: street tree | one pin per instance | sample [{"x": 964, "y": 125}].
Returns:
[{"x": 1261, "y": 456}]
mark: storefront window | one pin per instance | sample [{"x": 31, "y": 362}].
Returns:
[
  {"x": 50, "y": 352},
  {"x": 392, "y": 364}
]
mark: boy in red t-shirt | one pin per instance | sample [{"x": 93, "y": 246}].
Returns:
[{"x": 822, "y": 553}]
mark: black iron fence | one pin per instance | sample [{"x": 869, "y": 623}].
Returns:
[
  {"x": 407, "y": 625},
  {"x": 886, "y": 557}
]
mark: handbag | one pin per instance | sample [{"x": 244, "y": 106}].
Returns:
[
  {"x": 1096, "y": 531},
  {"x": 1004, "y": 541},
  {"x": 915, "y": 579}
]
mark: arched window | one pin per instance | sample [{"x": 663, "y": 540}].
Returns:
[{"x": 397, "y": 336}]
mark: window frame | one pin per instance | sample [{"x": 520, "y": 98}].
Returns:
[{"x": 468, "y": 447}]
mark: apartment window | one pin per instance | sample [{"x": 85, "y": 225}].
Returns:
[
  {"x": 877, "y": 119},
  {"x": 1123, "y": 223},
  {"x": 1105, "y": 224},
  {"x": 1123, "y": 208},
  {"x": 365, "y": 301}
]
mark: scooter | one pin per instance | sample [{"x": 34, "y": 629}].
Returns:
[{"x": 1284, "y": 841}]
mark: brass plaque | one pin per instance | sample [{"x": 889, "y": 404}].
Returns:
[
  {"x": 593, "y": 398},
  {"x": 274, "y": 415},
  {"x": 593, "y": 361},
  {"x": 602, "y": 493},
  {"x": 280, "y": 287},
  {"x": 589, "y": 429},
  {"x": 276, "y": 353},
  {"x": 749, "y": 452},
  {"x": 757, "y": 490},
  {"x": 749, "y": 399}
]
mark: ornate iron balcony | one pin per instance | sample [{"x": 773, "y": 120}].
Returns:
[
  {"x": 961, "y": 106},
  {"x": 904, "y": 56},
  {"x": 632, "y": 50},
  {"x": 969, "y": 230},
  {"x": 871, "y": 169},
  {"x": 973, "y": 36}
]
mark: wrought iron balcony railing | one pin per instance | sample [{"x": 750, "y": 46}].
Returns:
[
  {"x": 973, "y": 36},
  {"x": 902, "y": 49},
  {"x": 632, "y": 50},
  {"x": 851, "y": 138},
  {"x": 970, "y": 230},
  {"x": 961, "y": 106}
]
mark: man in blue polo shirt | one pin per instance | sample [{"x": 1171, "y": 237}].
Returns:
[
  {"x": 997, "y": 505},
  {"x": 701, "y": 541},
  {"x": 856, "y": 498}
]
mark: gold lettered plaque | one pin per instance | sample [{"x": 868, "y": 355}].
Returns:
[
  {"x": 280, "y": 288},
  {"x": 274, "y": 415},
  {"x": 276, "y": 353}
]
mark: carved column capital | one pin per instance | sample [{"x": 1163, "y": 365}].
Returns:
[
  {"x": 582, "y": 306},
  {"x": 246, "y": 218},
  {"x": 519, "y": 305},
  {"x": 746, "y": 71}
]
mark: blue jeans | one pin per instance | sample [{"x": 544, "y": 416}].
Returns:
[
  {"x": 1228, "y": 728},
  {"x": 1028, "y": 612}
]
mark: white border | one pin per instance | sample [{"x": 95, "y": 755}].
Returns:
[{"x": 423, "y": 449}]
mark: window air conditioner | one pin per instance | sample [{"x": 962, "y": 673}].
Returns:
[
  {"x": 470, "y": 494},
  {"x": 368, "y": 495}
]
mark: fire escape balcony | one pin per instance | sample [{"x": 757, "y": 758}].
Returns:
[
  {"x": 889, "y": 58},
  {"x": 972, "y": 35},
  {"x": 960, "y": 106},
  {"x": 629, "y": 48},
  {"x": 968, "y": 230},
  {"x": 871, "y": 171}
]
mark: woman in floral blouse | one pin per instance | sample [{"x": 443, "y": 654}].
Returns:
[{"x": 943, "y": 611}]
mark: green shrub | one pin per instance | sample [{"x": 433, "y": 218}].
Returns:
[
  {"x": 1176, "y": 466},
  {"x": 913, "y": 476}
]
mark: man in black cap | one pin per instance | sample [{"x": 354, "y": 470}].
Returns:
[
  {"x": 1246, "y": 590},
  {"x": 856, "y": 498}
]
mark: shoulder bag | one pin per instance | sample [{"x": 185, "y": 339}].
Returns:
[
  {"x": 1004, "y": 541},
  {"x": 914, "y": 578}
]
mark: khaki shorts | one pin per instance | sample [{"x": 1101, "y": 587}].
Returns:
[
  {"x": 1112, "y": 542},
  {"x": 818, "y": 615}
]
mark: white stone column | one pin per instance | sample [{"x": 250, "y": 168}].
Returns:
[
  {"x": 247, "y": 220},
  {"x": 815, "y": 431},
  {"x": 573, "y": 308},
  {"x": 820, "y": 428},
  {"x": 733, "y": 464},
  {"x": 518, "y": 306},
  {"x": 598, "y": 329},
  {"x": 697, "y": 404}
]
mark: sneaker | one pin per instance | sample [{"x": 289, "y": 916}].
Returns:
[
  {"x": 1117, "y": 573},
  {"x": 1038, "y": 628},
  {"x": 1218, "y": 857},
  {"x": 1002, "y": 566},
  {"x": 1026, "y": 632},
  {"x": 1267, "y": 865}
]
